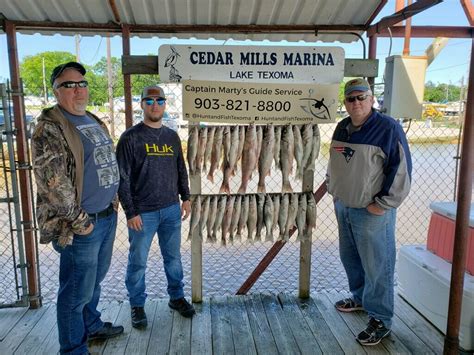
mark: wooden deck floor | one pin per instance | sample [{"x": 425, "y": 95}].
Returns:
[{"x": 254, "y": 324}]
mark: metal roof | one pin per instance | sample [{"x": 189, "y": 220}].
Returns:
[{"x": 284, "y": 13}]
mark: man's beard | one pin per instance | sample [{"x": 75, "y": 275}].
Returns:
[{"x": 154, "y": 118}]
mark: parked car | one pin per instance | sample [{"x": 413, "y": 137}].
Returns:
[
  {"x": 167, "y": 120},
  {"x": 29, "y": 119}
]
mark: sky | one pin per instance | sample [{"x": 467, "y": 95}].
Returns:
[{"x": 450, "y": 66}]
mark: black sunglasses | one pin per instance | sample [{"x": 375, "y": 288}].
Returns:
[
  {"x": 358, "y": 97},
  {"x": 149, "y": 101},
  {"x": 73, "y": 84}
]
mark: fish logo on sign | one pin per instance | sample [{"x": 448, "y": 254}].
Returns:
[
  {"x": 346, "y": 151},
  {"x": 170, "y": 61},
  {"x": 316, "y": 107}
]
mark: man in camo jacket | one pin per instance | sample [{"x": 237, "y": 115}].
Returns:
[{"x": 77, "y": 180}]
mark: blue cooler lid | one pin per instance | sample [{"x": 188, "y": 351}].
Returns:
[{"x": 448, "y": 209}]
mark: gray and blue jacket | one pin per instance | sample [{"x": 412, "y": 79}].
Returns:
[{"x": 373, "y": 164}]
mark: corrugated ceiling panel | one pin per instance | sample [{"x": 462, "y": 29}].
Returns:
[{"x": 209, "y": 12}]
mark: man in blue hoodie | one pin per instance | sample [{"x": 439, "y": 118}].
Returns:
[{"x": 369, "y": 176}]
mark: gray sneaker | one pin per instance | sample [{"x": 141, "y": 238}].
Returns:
[{"x": 348, "y": 305}]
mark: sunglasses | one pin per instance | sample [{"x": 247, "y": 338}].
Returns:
[
  {"x": 149, "y": 101},
  {"x": 358, "y": 97},
  {"x": 73, "y": 84}
]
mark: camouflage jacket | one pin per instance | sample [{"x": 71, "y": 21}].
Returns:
[{"x": 58, "y": 164}]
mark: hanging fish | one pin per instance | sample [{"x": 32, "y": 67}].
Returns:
[
  {"x": 211, "y": 219},
  {"x": 205, "y": 205},
  {"x": 286, "y": 157},
  {"x": 192, "y": 149},
  {"x": 195, "y": 216},
  {"x": 310, "y": 214},
  {"x": 249, "y": 157},
  {"x": 202, "y": 142},
  {"x": 301, "y": 217},
  {"x": 230, "y": 163},
  {"x": 298, "y": 152},
  {"x": 268, "y": 218},
  {"x": 283, "y": 215},
  {"x": 227, "y": 218},
  {"x": 276, "y": 210},
  {"x": 266, "y": 157},
  {"x": 260, "y": 217},
  {"x": 216, "y": 153},
  {"x": 315, "y": 148},
  {"x": 219, "y": 218},
  {"x": 209, "y": 143},
  {"x": 307, "y": 138},
  {"x": 244, "y": 214},
  {"x": 252, "y": 218},
  {"x": 292, "y": 212},
  {"x": 276, "y": 152},
  {"x": 235, "y": 218},
  {"x": 240, "y": 148}
]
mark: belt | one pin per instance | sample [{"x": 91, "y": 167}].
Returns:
[{"x": 102, "y": 214}]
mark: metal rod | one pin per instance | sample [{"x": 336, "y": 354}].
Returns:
[
  {"x": 23, "y": 157},
  {"x": 451, "y": 341}
]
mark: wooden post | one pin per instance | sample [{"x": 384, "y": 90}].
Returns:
[
  {"x": 196, "y": 240},
  {"x": 305, "y": 265}
]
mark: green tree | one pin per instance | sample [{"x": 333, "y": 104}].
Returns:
[
  {"x": 441, "y": 92},
  {"x": 31, "y": 70}
]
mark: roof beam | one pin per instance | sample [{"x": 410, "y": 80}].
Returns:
[
  {"x": 113, "y": 7},
  {"x": 429, "y": 32},
  {"x": 115, "y": 27},
  {"x": 401, "y": 15}
]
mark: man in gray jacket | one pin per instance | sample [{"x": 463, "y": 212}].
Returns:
[{"x": 369, "y": 175}]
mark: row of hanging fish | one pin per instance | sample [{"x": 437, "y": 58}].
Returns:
[
  {"x": 257, "y": 147},
  {"x": 231, "y": 215}
]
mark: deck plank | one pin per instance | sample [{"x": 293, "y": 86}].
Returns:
[
  {"x": 21, "y": 329},
  {"x": 254, "y": 324},
  {"x": 201, "y": 332},
  {"x": 109, "y": 312},
  {"x": 285, "y": 342},
  {"x": 302, "y": 333},
  {"x": 241, "y": 330},
  {"x": 313, "y": 317},
  {"x": 38, "y": 334},
  {"x": 10, "y": 316},
  {"x": 118, "y": 344},
  {"x": 138, "y": 339},
  {"x": 258, "y": 321},
  {"x": 221, "y": 329},
  {"x": 338, "y": 326},
  {"x": 423, "y": 329},
  {"x": 180, "y": 335},
  {"x": 159, "y": 343}
]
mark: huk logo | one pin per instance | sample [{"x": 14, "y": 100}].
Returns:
[
  {"x": 346, "y": 151},
  {"x": 153, "y": 149}
]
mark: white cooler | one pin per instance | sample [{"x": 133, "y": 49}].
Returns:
[{"x": 424, "y": 281}]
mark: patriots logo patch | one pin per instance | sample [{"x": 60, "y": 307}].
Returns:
[{"x": 346, "y": 151}]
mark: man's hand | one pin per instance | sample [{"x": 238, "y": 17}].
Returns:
[
  {"x": 135, "y": 223},
  {"x": 185, "y": 209},
  {"x": 88, "y": 230},
  {"x": 375, "y": 209}
]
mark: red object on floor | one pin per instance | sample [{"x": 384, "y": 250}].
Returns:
[{"x": 441, "y": 234}]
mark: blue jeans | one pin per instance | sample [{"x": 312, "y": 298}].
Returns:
[
  {"x": 367, "y": 250},
  {"x": 82, "y": 267},
  {"x": 165, "y": 222}
]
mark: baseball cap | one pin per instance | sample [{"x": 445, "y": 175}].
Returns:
[
  {"x": 62, "y": 67},
  {"x": 358, "y": 84},
  {"x": 153, "y": 91}
]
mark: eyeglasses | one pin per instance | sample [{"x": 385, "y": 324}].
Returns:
[
  {"x": 358, "y": 97},
  {"x": 73, "y": 84},
  {"x": 149, "y": 101}
]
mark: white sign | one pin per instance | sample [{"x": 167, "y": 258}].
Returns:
[
  {"x": 226, "y": 102},
  {"x": 264, "y": 64}
]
